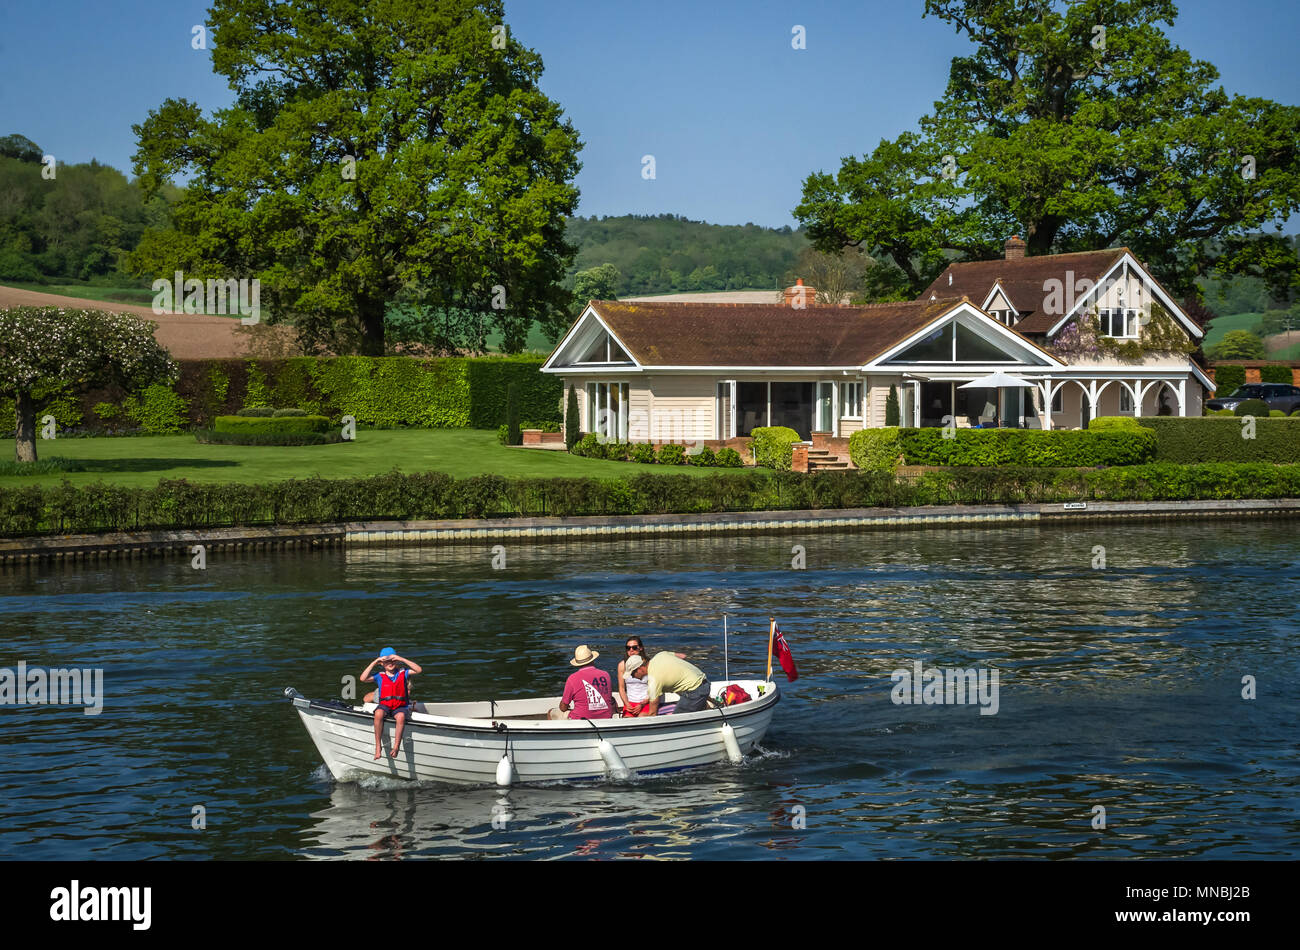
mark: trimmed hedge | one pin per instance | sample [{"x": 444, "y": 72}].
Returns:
[
  {"x": 272, "y": 425},
  {"x": 1251, "y": 407},
  {"x": 1275, "y": 374},
  {"x": 875, "y": 450},
  {"x": 730, "y": 458},
  {"x": 1227, "y": 378},
  {"x": 1034, "y": 448},
  {"x": 180, "y": 504},
  {"x": 382, "y": 392},
  {"x": 211, "y": 437},
  {"x": 773, "y": 447},
  {"x": 1219, "y": 439},
  {"x": 1102, "y": 423}
]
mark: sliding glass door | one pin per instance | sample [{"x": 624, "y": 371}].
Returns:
[
  {"x": 607, "y": 410},
  {"x": 824, "y": 412}
]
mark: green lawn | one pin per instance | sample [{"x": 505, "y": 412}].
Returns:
[
  {"x": 1217, "y": 327},
  {"x": 458, "y": 452}
]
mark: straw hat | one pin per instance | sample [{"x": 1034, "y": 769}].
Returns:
[{"x": 582, "y": 656}]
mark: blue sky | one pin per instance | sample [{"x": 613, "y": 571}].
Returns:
[{"x": 734, "y": 117}]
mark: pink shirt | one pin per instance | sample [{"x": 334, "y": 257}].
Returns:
[{"x": 589, "y": 691}]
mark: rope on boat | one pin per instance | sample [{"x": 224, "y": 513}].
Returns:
[{"x": 505, "y": 768}]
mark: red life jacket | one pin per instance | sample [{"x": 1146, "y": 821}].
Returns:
[
  {"x": 735, "y": 694},
  {"x": 393, "y": 692}
]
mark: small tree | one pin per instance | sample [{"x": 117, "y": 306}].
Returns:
[
  {"x": 596, "y": 283},
  {"x": 571, "y": 432},
  {"x": 513, "y": 435},
  {"x": 45, "y": 349},
  {"x": 1237, "y": 345},
  {"x": 891, "y": 407}
]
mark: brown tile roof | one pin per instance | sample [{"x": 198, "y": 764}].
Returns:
[
  {"x": 686, "y": 334},
  {"x": 1023, "y": 281}
]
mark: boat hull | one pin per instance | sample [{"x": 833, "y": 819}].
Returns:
[{"x": 463, "y": 743}]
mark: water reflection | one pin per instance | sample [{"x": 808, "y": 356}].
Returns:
[{"x": 1120, "y": 686}]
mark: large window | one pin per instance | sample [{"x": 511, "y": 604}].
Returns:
[
  {"x": 850, "y": 400},
  {"x": 607, "y": 410},
  {"x": 954, "y": 342},
  {"x": 1118, "y": 322}
]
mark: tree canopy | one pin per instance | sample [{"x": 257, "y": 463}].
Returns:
[
  {"x": 1237, "y": 345},
  {"x": 377, "y": 151},
  {"x": 1078, "y": 126},
  {"x": 596, "y": 283}
]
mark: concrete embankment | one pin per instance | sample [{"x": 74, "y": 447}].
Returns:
[{"x": 141, "y": 544}]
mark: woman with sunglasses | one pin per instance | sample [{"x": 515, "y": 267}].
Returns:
[{"x": 634, "y": 691}]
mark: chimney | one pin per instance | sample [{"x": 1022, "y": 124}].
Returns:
[
  {"x": 1014, "y": 248},
  {"x": 799, "y": 296}
]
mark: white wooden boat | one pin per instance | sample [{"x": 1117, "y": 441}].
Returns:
[{"x": 513, "y": 740}]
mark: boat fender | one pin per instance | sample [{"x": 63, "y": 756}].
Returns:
[
  {"x": 505, "y": 771},
  {"x": 729, "y": 740},
  {"x": 614, "y": 765}
]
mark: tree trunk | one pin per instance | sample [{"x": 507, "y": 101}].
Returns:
[
  {"x": 371, "y": 313},
  {"x": 25, "y": 417}
]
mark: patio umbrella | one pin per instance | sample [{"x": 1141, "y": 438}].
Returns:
[{"x": 998, "y": 381}]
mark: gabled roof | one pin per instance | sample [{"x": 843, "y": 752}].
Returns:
[
  {"x": 687, "y": 335},
  {"x": 1022, "y": 281}
]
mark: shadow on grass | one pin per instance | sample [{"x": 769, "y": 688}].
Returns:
[{"x": 145, "y": 464}]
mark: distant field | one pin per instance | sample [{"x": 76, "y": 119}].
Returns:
[
  {"x": 141, "y": 296},
  {"x": 1236, "y": 321},
  {"x": 537, "y": 341},
  {"x": 1283, "y": 346}
]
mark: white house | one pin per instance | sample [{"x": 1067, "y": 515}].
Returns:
[{"x": 681, "y": 372}]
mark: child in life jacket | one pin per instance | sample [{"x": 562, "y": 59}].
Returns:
[{"x": 392, "y": 693}]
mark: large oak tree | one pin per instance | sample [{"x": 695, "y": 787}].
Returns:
[
  {"x": 1079, "y": 126},
  {"x": 377, "y": 151}
]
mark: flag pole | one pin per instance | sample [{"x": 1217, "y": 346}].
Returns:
[
  {"x": 726, "y": 656},
  {"x": 770, "y": 634}
]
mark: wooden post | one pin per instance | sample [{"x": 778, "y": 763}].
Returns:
[{"x": 771, "y": 634}]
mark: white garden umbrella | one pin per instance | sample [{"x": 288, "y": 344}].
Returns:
[{"x": 998, "y": 381}]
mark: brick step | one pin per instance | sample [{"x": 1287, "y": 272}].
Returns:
[{"x": 839, "y": 466}]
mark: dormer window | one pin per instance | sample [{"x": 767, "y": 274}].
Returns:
[{"x": 1119, "y": 322}]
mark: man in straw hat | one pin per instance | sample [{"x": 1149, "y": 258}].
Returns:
[{"x": 586, "y": 691}]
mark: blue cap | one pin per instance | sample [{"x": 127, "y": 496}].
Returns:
[{"x": 387, "y": 651}]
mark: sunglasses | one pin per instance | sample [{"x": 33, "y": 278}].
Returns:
[{"x": 633, "y": 646}]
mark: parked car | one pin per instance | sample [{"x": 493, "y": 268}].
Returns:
[{"x": 1277, "y": 395}]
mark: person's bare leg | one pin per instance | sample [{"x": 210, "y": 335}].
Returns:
[
  {"x": 379, "y": 731},
  {"x": 397, "y": 733}
]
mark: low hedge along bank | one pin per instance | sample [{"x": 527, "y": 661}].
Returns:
[
  {"x": 180, "y": 504},
  {"x": 272, "y": 425},
  {"x": 1221, "y": 439},
  {"x": 877, "y": 449}
]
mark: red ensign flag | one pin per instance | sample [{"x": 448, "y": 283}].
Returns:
[{"x": 785, "y": 656}]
